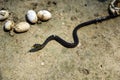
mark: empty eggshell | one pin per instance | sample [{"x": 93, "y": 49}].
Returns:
[
  {"x": 32, "y": 16},
  {"x": 22, "y": 27},
  {"x": 44, "y": 15},
  {"x": 4, "y": 14},
  {"x": 9, "y": 25}
]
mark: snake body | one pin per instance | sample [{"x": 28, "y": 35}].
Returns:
[{"x": 66, "y": 44}]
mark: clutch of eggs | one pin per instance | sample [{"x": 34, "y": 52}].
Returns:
[
  {"x": 20, "y": 27},
  {"x": 31, "y": 16},
  {"x": 42, "y": 15}
]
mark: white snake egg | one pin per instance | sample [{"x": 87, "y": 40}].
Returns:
[
  {"x": 32, "y": 16},
  {"x": 44, "y": 15},
  {"x": 8, "y": 25},
  {"x": 22, "y": 27},
  {"x": 4, "y": 14}
]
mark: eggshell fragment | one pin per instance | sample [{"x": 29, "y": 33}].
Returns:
[
  {"x": 22, "y": 27},
  {"x": 44, "y": 15},
  {"x": 32, "y": 16},
  {"x": 4, "y": 14},
  {"x": 8, "y": 25}
]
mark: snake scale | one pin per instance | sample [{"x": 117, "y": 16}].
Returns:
[{"x": 114, "y": 11}]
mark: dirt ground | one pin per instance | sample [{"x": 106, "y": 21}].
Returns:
[{"x": 96, "y": 58}]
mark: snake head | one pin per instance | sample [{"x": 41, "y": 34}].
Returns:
[{"x": 35, "y": 47}]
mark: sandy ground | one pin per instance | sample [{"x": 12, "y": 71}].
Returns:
[{"x": 96, "y": 58}]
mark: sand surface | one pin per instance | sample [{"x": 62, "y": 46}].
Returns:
[{"x": 96, "y": 58}]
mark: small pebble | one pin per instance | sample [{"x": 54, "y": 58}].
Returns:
[
  {"x": 42, "y": 63},
  {"x": 96, "y": 14}
]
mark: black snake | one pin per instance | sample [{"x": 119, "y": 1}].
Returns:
[{"x": 66, "y": 44}]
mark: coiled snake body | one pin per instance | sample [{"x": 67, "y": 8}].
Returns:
[{"x": 66, "y": 44}]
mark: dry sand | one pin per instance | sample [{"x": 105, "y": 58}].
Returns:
[{"x": 96, "y": 58}]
